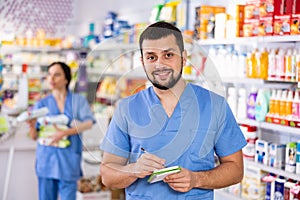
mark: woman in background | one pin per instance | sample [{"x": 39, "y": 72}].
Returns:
[{"x": 58, "y": 168}]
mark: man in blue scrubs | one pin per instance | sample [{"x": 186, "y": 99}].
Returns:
[{"x": 177, "y": 123}]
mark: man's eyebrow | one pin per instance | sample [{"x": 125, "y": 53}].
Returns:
[
  {"x": 165, "y": 50},
  {"x": 170, "y": 49}
]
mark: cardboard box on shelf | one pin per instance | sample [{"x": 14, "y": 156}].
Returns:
[
  {"x": 252, "y": 185},
  {"x": 282, "y": 24},
  {"x": 103, "y": 195},
  {"x": 265, "y": 26},
  {"x": 250, "y": 27},
  {"x": 295, "y": 24}
]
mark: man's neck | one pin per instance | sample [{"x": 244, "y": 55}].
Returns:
[{"x": 174, "y": 92}]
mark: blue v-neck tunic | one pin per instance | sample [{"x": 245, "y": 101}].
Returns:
[
  {"x": 63, "y": 163},
  {"x": 201, "y": 125}
]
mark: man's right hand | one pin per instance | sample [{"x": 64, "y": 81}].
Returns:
[{"x": 146, "y": 164}]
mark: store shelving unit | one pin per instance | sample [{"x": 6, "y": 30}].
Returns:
[
  {"x": 289, "y": 41},
  {"x": 273, "y": 170},
  {"x": 251, "y": 40}
]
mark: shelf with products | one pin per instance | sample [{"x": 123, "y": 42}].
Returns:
[
  {"x": 274, "y": 170},
  {"x": 259, "y": 82},
  {"x": 271, "y": 126},
  {"x": 222, "y": 194},
  {"x": 250, "y": 40}
]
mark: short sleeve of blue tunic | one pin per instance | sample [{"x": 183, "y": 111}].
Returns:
[
  {"x": 63, "y": 163},
  {"x": 201, "y": 126}
]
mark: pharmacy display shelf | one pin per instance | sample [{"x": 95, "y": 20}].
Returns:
[
  {"x": 271, "y": 126},
  {"x": 131, "y": 73},
  {"x": 259, "y": 82},
  {"x": 114, "y": 46},
  {"x": 273, "y": 170},
  {"x": 250, "y": 40}
]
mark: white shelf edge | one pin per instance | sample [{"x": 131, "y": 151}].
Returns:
[
  {"x": 255, "y": 81},
  {"x": 250, "y": 40},
  {"x": 114, "y": 46},
  {"x": 273, "y": 170},
  {"x": 270, "y": 126},
  {"x": 226, "y": 195}
]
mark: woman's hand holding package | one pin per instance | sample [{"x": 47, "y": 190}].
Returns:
[{"x": 58, "y": 135}]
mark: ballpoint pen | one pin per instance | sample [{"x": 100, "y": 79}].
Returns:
[{"x": 143, "y": 150}]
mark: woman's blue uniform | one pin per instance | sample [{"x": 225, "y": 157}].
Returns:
[{"x": 63, "y": 165}]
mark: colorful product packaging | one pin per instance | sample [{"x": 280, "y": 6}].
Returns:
[
  {"x": 282, "y": 24},
  {"x": 265, "y": 27},
  {"x": 288, "y": 185},
  {"x": 252, "y": 185},
  {"x": 277, "y": 155},
  {"x": 295, "y": 24},
  {"x": 279, "y": 187},
  {"x": 298, "y": 158},
  {"x": 262, "y": 151},
  {"x": 270, "y": 186},
  {"x": 290, "y": 157}
]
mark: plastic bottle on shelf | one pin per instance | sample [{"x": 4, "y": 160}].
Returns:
[
  {"x": 262, "y": 104},
  {"x": 251, "y": 103},
  {"x": 272, "y": 103},
  {"x": 241, "y": 65},
  {"x": 232, "y": 100},
  {"x": 272, "y": 65},
  {"x": 257, "y": 68},
  {"x": 289, "y": 103},
  {"x": 288, "y": 65},
  {"x": 242, "y": 104},
  {"x": 295, "y": 106},
  {"x": 280, "y": 70},
  {"x": 264, "y": 64},
  {"x": 277, "y": 103},
  {"x": 283, "y": 100},
  {"x": 250, "y": 65},
  {"x": 250, "y": 133},
  {"x": 298, "y": 66},
  {"x": 294, "y": 65},
  {"x": 81, "y": 85},
  {"x": 234, "y": 62}
]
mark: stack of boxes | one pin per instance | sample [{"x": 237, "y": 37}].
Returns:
[
  {"x": 255, "y": 18},
  {"x": 205, "y": 21}
]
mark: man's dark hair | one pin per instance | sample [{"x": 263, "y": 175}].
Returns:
[
  {"x": 160, "y": 30},
  {"x": 66, "y": 69}
]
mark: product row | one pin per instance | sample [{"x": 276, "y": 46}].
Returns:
[
  {"x": 281, "y": 156},
  {"x": 255, "y": 18}
]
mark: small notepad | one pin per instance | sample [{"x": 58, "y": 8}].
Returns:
[{"x": 159, "y": 175}]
